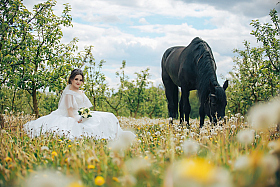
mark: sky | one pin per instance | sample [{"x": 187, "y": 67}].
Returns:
[{"x": 139, "y": 31}]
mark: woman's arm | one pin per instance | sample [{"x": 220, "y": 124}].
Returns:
[{"x": 71, "y": 114}]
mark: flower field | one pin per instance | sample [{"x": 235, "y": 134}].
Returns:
[{"x": 227, "y": 154}]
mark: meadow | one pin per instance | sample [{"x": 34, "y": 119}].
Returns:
[{"x": 231, "y": 153}]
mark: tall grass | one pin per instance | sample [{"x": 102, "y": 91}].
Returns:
[{"x": 227, "y": 154}]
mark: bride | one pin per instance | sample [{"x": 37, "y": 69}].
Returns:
[{"x": 66, "y": 121}]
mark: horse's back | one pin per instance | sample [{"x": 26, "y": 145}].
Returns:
[{"x": 171, "y": 64}]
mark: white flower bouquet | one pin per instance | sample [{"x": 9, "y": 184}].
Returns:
[{"x": 85, "y": 112}]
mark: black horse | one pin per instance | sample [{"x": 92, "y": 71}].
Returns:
[{"x": 193, "y": 68}]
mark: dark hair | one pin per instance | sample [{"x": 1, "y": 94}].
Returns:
[{"x": 74, "y": 73}]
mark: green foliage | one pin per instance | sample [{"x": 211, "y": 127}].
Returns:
[
  {"x": 194, "y": 101},
  {"x": 134, "y": 93},
  {"x": 33, "y": 61},
  {"x": 115, "y": 100},
  {"x": 33, "y": 57},
  {"x": 95, "y": 84},
  {"x": 255, "y": 76},
  {"x": 268, "y": 35}
]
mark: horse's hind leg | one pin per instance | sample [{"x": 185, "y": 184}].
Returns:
[
  {"x": 171, "y": 92},
  {"x": 185, "y": 107}
]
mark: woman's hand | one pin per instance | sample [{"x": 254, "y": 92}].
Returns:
[
  {"x": 80, "y": 120},
  {"x": 71, "y": 114}
]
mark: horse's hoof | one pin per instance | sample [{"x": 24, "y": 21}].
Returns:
[{"x": 170, "y": 120}]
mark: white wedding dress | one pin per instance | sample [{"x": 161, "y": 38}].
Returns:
[{"x": 100, "y": 125}]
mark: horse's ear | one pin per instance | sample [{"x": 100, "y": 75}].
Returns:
[
  {"x": 225, "y": 85},
  {"x": 212, "y": 88}
]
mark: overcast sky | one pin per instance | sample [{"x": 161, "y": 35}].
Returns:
[{"x": 139, "y": 31}]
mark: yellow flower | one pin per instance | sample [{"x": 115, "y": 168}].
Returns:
[
  {"x": 31, "y": 170},
  {"x": 116, "y": 179},
  {"x": 197, "y": 169},
  {"x": 69, "y": 146},
  {"x": 75, "y": 184},
  {"x": 146, "y": 157},
  {"x": 8, "y": 159},
  {"x": 54, "y": 154},
  {"x": 91, "y": 167},
  {"x": 99, "y": 181}
]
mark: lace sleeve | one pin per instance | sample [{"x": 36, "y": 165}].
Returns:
[
  {"x": 87, "y": 102},
  {"x": 67, "y": 101}
]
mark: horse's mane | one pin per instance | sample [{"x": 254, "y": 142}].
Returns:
[{"x": 206, "y": 68}]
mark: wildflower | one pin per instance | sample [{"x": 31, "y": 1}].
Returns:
[
  {"x": 237, "y": 115},
  {"x": 123, "y": 142},
  {"x": 196, "y": 172},
  {"x": 91, "y": 159},
  {"x": 75, "y": 184},
  {"x": 3, "y": 131},
  {"x": 137, "y": 164},
  {"x": 157, "y": 133},
  {"x": 263, "y": 116},
  {"x": 116, "y": 179},
  {"x": 8, "y": 159},
  {"x": 190, "y": 147},
  {"x": 178, "y": 148},
  {"x": 47, "y": 178},
  {"x": 54, "y": 154},
  {"x": 245, "y": 136},
  {"x": 270, "y": 164},
  {"x": 274, "y": 146},
  {"x": 91, "y": 167},
  {"x": 128, "y": 180},
  {"x": 99, "y": 181},
  {"x": 44, "y": 148},
  {"x": 70, "y": 146},
  {"x": 242, "y": 162}
]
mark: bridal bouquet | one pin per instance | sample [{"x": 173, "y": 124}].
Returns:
[{"x": 85, "y": 112}]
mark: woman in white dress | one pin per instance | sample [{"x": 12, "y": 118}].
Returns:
[{"x": 66, "y": 121}]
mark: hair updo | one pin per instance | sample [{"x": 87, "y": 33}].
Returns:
[{"x": 74, "y": 73}]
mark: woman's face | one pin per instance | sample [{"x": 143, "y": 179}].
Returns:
[{"x": 77, "y": 81}]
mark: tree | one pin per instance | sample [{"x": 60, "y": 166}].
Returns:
[
  {"x": 14, "y": 30},
  {"x": 255, "y": 76},
  {"x": 95, "y": 82},
  {"x": 155, "y": 102},
  {"x": 36, "y": 58},
  {"x": 268, "y": 35},
  {"x": 194, "y": 102},
  {"x": 134, "y": 91},
  {"x": 115, "y": 100}
]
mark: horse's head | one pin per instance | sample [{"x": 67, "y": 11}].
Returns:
[{"x": 216, "y": 102}]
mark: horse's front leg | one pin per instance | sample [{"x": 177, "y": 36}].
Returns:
[
  {"x": 202, "y": 115},
  {"x": 181, "y": 110}
]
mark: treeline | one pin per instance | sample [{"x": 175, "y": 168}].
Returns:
[
  {"x": 35, "y": 65},
  {"x": 135, "y": 98},
  {"x": 256, "y": 74}
]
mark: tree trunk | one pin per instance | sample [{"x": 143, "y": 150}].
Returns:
[
  {"x": 13, "y": 100},
  {"x": 135, "y": 113},
  {"x": 94, "y": 103},
  {"x": 35, "y": 102},
  {"x": 151, "y": 113}
]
